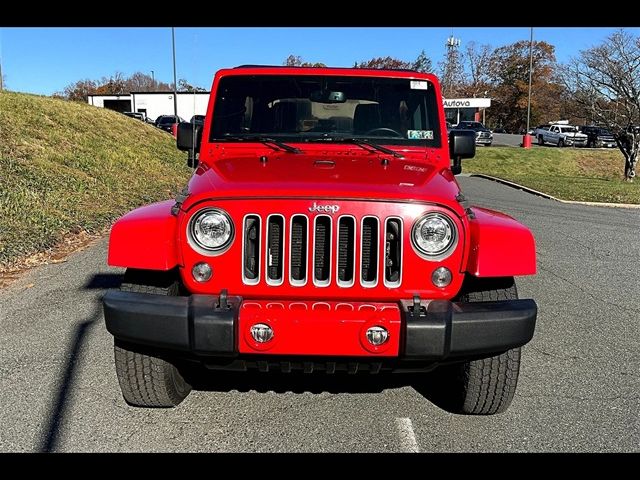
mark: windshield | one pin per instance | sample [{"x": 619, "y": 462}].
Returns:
[
  {"x": 471, "y": 125},
  {"x": 568, "y": 129},
  {"x": 319, "y": 108}
]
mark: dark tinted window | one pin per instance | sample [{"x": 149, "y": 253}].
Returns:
[
  {"x": 471, "y": 125},
  {"x": 307, "y": 108}
]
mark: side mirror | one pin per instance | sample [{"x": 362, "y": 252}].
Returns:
[
  {"x": 188, "y": 138},
  {"x": 462, "y": 144}
]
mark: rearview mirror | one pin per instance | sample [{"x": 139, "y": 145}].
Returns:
[
  {"x": 326, "y": 96},
  {"x": 188, "y": 138},
  {"x": 462, "y": 144}
]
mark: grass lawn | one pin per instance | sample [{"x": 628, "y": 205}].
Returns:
[
  {"x": 593, "y": 175},
  {"x": 67, "y": 167}
]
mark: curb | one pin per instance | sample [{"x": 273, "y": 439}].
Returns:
[{"x": 551, "y": 197}]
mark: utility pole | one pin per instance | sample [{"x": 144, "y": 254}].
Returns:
[
  {"x": 175, "y": 82},
  {"x": 153, "y": 78},
  {"x": 530, "y": 69},
  {"x": 452, "y": 71},
  {"x": 1, "y": 82}
]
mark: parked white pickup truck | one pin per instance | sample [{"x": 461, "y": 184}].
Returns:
[{"x": 560, "y": 135}]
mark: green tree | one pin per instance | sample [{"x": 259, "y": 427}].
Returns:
[
  {"x": 422, "y": 63},
  {"x": 509, "y": 74},
  {"x": 296, "y": 61},
  {"x": 184, "y": 86}
]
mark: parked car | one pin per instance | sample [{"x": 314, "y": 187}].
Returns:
[
  {"x": 598, "y": 137},
  {"x": 136, "y": 115},
  {"x": 197, "y": 120},
  {"x": 164, "y": 122},
  {"x": 484, "y": 136},
  {"x": 562, "y": 135},
  {"x": 341, "y": 252}
]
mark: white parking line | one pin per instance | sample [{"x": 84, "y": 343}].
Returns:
[{"x": 408, "y": 441}]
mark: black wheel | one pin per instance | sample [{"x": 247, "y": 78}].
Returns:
[
  {"x": 485, "y": 386},
  {"x": 561, "y": 143},
  {"x": 147, "y": 380},
  {"x": 540, "y": 140}
]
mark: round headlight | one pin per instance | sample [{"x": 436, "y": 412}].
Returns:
[
  {"x": 211, "y": 229},
  {"x": 433, "y": 235}
]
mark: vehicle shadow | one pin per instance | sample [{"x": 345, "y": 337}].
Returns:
[
  {"x": 433, "y": 386},
  {"x": 102, "y": 281}
]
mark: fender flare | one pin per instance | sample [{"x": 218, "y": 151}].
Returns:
[
  {"x": 500, "y": 246},
  {"x": 145, "y": 238}
]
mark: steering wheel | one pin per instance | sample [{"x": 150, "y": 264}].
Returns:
[{"x": 386, "y": 130}]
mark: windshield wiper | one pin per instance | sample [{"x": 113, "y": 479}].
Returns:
[
  {"x": 361, "y": 142},
  {"x": 266, "y": 140}
]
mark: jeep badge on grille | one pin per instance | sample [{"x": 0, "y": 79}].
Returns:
[{"x": 324, "y": 208}]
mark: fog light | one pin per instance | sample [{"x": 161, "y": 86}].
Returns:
[
  {"x": 261, "y": 333},
  {"x": 377, "y": 335},
  {"x": 201, "y": 272},
  {"x": 441, "y": 277}
]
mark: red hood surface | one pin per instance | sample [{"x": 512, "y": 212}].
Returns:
[{"x": 343, "y": 175}]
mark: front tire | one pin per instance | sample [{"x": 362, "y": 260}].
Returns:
[
  {"x": 485, "y": 386},
  {"x": 561, "y": 143},
  {"x": 147, "y": 380}
]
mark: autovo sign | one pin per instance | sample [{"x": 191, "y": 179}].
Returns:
[{"x": 466, "y": 102}]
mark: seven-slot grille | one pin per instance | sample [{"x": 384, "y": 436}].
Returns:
[{"x": 321, "y": 250}]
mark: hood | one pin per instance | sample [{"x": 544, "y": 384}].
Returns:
[
  {"x": 575, "y": 134},
  {"x": 367, "y": 176}
]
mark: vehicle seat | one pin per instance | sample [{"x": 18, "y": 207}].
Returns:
[
  {"x": 285, "y": 117},
  {"x": 366, "y": 117}
]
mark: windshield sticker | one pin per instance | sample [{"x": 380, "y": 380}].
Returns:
[
  {"x": 420, "y": 134},
  {"x": 419, "y": 85}
]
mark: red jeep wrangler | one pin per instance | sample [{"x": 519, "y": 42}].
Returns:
[{"x": 322, "y": 230}]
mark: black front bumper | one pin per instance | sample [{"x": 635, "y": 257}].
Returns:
[{"x": 202, "y": 325}]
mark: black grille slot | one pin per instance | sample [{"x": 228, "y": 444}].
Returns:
[
  {"x": 346, "y": 236},
  {"x": 275, "y": 231},
  {"x": 251, "y": 260},
  {"x": 298, "y": 263},
  {"x": 393, "y": 252},
  {"x": 322, "y": 250},
  {"x": 369, "y": 273}
]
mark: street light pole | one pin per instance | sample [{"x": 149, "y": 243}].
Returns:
[
  {"x": 530, "y": 69},
  {"x": 175, "y": 83}
]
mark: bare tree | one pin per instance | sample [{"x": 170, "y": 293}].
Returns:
[
  {"x": 478, "y": 60},
  {"x": 605, "y": 82},
  {"x": 141, "y": 82}
]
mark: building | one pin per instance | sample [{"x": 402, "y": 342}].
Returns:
[
  {"x": 457, "y": 110},
  {"x": 154, "y": 104}
]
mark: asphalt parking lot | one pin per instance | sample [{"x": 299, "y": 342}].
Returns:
[{"x": 579, "y": 387}]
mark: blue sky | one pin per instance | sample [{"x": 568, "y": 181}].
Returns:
[{"x": 45, "y": 60}]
